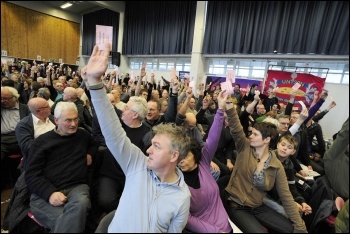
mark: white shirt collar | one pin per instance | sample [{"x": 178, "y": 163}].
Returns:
[{"x": 36, "y": 119}]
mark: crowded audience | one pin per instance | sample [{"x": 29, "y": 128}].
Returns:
[{"x": 103, "y": 152}]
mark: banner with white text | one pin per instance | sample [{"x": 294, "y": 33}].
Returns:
[{"x": 306, "y": 85}]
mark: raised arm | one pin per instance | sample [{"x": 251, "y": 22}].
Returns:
[
  {"x": 170, "y": 113},
  {"x": 316, "y": 107},
  {"x": 213, "y": 138},
  {"x": 181, "y": 115},
  {"x": 142, "y": 75},
  {"x": 127, "y": 154}
]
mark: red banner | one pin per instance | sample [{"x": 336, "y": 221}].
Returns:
[{"x": 284, "y": 81}]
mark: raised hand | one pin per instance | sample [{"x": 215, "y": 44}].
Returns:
[
  {"x": 97, "y": 65},
  {"x": 222, "y": 97},
  {"x": 293, "y": 93},
  {"x": 175, "y": 85},
  {"x": 303, "y": 114},
  {"x": 189, "y": 92},
  {"x": 143, "y": 69},
  {"x": 200, "y": 89},
  {"x": 205, "y": 103},
  {"x": 257, "y": 96},
  {"x": 324, "y": 94},
  {"x": 332, "y": 104}
]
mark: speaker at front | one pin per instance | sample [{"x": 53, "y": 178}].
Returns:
[{"x": 116, "y": 58}]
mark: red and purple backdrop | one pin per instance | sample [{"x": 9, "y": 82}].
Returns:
[
  {"x": 285, "y": 81},
  {"x": 244, "y": 83}
]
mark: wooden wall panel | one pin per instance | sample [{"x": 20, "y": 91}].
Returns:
[{"x": 26, "y": 33}]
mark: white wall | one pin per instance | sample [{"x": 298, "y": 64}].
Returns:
[{"x": 334, "y": 119}]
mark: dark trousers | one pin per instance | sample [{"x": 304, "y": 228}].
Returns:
[
  {"x": 9, "y": 172},
  {"x": 258, "y": 220},
  {"x": 104, "y": 224}
]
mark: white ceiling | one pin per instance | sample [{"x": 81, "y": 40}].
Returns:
[{"x": 79, "y": 7}]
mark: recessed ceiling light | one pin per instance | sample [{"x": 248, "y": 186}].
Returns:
[{"x": 67, "y": 4}]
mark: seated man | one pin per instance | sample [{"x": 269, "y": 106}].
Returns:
[
  {"x": 45, "y": 93},
  {"x": 111, "y": 176},
  {"x": 70, "y": 94},
  {"x": 11, "y": 113},
  {"x": 156, "y": 197},
  {"x": 33, "y": 125},
  {"x": 56, "y": 173}
]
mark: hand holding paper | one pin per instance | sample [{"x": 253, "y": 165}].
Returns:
[
  {"x": 296, "y": 86},
  {"x": 303, "y": 106},
  {"x": 227, "y": 85},
  {"x": 231, "y": 76},
  {"x": 104, "y": 37}
]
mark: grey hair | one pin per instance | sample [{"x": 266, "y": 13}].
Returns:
[
  {"x": 140, "y": 106},
  {"x": 45, "y": 93},
  {"x": 12, "y": 90},
  {"x": 61, "y": 106},
  {"x": 179, "y": 140}
]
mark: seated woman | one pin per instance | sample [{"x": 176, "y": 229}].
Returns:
[
  {"x": 207, "y": 212},
  {"x": 257, "y": 170}
]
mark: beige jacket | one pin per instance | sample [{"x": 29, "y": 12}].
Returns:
[{"x": 241, "y": 186}]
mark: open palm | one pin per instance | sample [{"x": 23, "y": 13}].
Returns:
[{"x": 97, "y": 64}]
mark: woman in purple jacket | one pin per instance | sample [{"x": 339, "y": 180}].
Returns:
[{"x": 207, "y": 212}]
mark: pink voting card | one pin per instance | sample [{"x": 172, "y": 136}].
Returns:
[
  {"x": 231, "y": 76},
  {"x": 296, "y": 86},
  {"x": 227, "y": 86},
  {"x": 104, "y": 34}
]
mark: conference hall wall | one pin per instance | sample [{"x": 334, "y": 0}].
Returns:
[{"x": 26, "y": 33}]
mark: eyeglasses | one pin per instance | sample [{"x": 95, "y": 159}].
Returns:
[
  {"x": 44, "y": 107},
  {"x": 6, "y": 98},
  {"x": 69, "y": 121}
]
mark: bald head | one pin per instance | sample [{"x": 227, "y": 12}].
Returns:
[
  {"x": 191, "y": 119},
  {"x": 70, "y": 94},
  {"x": 111, "y": 98},
  {"x": 80, "y": 91},
  {"x": 35, "y": 103},
  {"x": 39, "y": 107}
]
